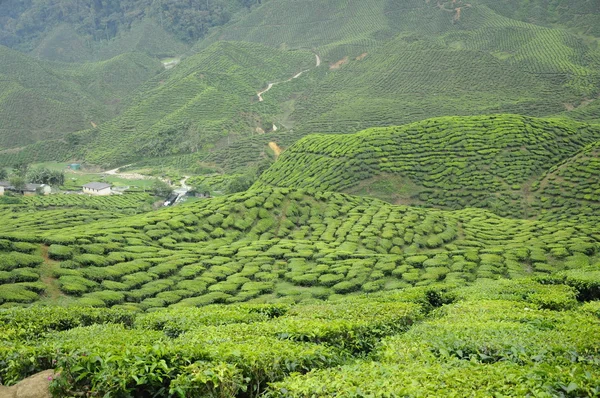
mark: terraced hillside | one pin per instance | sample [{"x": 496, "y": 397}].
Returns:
[
  {"x": 484, "y": 64},
  {"x": 412, "y": 61},
  {"x": 198, "y": 104},
  {"x": 579, "y": 15},
  {"x": 571, "y": 189},
  {"x": 326, "y": 25},
  {"x": 383, "y": 268},
  {"x": 64, "y": 44},
  {"x": 483, "y": 161},
  {"x": 65, "y": 98},
  {"x": 280, "y": 245}
]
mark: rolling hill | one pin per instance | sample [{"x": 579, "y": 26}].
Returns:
[
  {"x": 274, "y": 245},
  {"x": 65, "y": 97},
  {"x": 452, "y": 162},
  {"x": 417, "y": 209},
  {"x": 396, "y": 69},
  {"x": 203, "y": 102}
]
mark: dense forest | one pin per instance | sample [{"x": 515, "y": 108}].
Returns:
[{"x": 23, "y": 22}]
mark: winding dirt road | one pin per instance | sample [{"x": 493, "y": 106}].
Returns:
[{"x": 297, "y": 75}]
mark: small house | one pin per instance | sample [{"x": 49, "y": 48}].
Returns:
[
  {"x": 36, "y": 189},
  {"x": 28, "y": 189},
  {"x": 97, "y": 188}
]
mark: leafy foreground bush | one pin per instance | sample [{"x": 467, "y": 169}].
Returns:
[
  {"x": 471, "y": 348},
  {"x": 192, "y": 352},
  {"x": 489, "y": 339}
]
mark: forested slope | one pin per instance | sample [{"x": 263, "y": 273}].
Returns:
[{"x": 72, "y": 30}]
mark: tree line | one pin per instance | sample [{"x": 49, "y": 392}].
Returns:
[{"x": 22, "y": 21}]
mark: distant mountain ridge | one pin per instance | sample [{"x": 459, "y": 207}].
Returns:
[{"x": 382, "y": 63}]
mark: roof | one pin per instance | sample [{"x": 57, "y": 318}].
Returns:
[
  {"x": 27, "y": 187},
  {"x": 33, "y": 187},
  {"x": 97, "y": 185}
]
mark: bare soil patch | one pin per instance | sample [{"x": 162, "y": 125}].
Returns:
[
  {"x": 276, "y": 148},
  {"x": 338, "y": 64}
]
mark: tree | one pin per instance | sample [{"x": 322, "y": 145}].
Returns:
[
  {"x": 20, "y": 169},
  {"x": 161, "y": 188},
  {"x": 3, "y": 174},
  {"x": 240, "y": 184},
  {"x": 42, "y": 175},
  {"x": 18, "y": 183}
]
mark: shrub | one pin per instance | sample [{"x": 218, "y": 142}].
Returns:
[{"x": 60, "y": 252}]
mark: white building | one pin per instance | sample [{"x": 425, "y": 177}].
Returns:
[{"x": 97, "y": 188}]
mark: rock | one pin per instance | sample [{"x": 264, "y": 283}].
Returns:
[
  {"x": 35, "y": 386},
  {"x": 8, "y": 392}
]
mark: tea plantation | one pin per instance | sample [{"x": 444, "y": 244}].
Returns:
[
  {"x": 280, "y": 245},
  {"x": 404, "y": 198},
  {"x": 381, "y": 63},
  {"x": 66, "y": 97},
  {"x": 491, "y": 162},
  {"x": 517, "y": 338}
]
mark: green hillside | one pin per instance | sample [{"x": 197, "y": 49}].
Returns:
[
  {"x": 427, "y": 64},
  {"x": 578, "y": 15},
  {"x": 484, "y": 63},
  {"x": 278, "y": 245},
  {"x": 508, "y": 286},
  {"x": 64, "y": 44},
  {"x": 571, "y": 189},
  {"x": 75, "y": 31},
  {"x": 375, "y": 198},
  {"x": 483, "y": 161},
  {"x": 64, "y": 97},
  {"x": 414, "y": 60},
  {"x": 326, "y": 25},
  {"x": 195, "y": 106}
]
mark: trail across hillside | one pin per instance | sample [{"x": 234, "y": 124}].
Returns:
[{"x": 270, "y": 86}]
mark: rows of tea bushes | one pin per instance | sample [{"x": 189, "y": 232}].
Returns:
[
  {"x": 311, "y": 24},
  {"x": 540, "y": 51},
  {"x": 21, "y": 248},
  {"x": 414, "y": 77},
  {"x": 130, "y": 201},
  {"x": 571, "y": 190},
  {"x": 207, "y": 97},
  {"x": 66, "y": 97},
  {"x": 281, "y": 245},
  {"x": 19, "y": 272},
  {"x": 24, "y": 223},
  {"x": 490, "y": 338},
  {"x": 482, "y": 161},
  {"x": 494, "y": 340}
]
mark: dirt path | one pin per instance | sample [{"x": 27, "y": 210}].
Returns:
[
  {"x": 297, "y": 75},
  {"x": 183, "y": 183},
  {"x": 47, "y": 275},
  {"x": 126, "y": 176}
]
